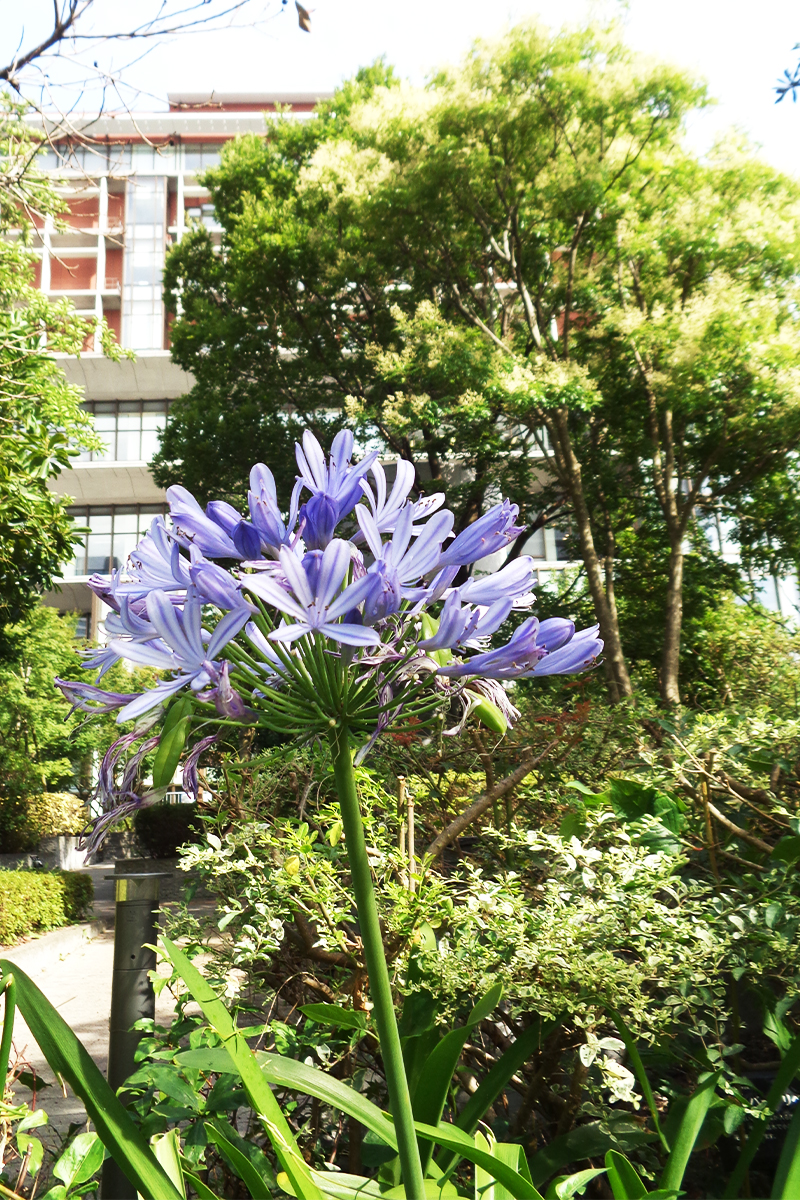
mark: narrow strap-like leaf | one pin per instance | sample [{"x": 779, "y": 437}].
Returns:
[
  {"x": 639, "y": 1072},
  {"x": 623, "y": 1177},
  {"x": 69, "y": 1058},
  {"x": 256, "y": 1186},
  {"x": 786, "y": 1185},
  {"x": 786, "y": 1073},
  {"x": 690, "y": 1127},
  {"x": 244, "y": 1060}
]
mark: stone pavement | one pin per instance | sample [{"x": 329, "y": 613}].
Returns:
[{"x": 73, "y": 967}]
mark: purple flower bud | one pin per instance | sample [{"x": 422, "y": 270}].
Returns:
[
  {"x": 90, "y": 699},
  {"x": 227, "y": 701},
  {"x": 384, "y": 595},
  {"x": 247, "y": 540},
  {"x": 224, "y": 515},
  {"x": 318, "y": 519},
  {"x": 201, "y": 530},
  {"x": 191, "y": 782},
  {"x": 515, "y": 579}
]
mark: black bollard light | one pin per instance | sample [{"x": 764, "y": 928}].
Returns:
[{"x": 132, "y": 994}]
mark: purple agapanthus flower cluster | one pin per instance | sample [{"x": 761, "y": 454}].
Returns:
[{"x": 356, "y": 612}]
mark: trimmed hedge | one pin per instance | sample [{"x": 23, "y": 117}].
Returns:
[
  {"x": 25, "y": 820},
  {"x": 39, "y": 900}
]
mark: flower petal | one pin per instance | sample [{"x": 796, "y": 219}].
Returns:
[
  {"x": 227, "y": 629},
  {"x": 149, "y": 700},
  {"x": 351, "y": 597},
  {"x": 267, "y": 589},
  {"x": 333, "y": 569},
  {"x": 296, "y": 577},
  {"x": 351, "y": 635}
]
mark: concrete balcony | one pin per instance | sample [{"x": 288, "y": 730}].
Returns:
[
  {"x": 104, "y": 483},
  {"x": 152, "y": 375}
]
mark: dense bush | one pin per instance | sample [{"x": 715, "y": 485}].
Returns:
[
  {"x": 593, "y": 885},
  {"x": 38, "y": 900},
  {"x": 25, "y": 820},
  {"x": 51, "y": 814},
  {"x": 164, "y": 828},
  {"x": 39, "y": 750}
]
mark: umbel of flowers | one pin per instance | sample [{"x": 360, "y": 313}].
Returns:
[{"x": 341, "y": 623}]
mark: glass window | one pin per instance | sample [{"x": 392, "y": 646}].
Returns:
[
  {"x": 129, "y": 437},
  {"x": 98, "y": 543},
  {"x": 562, "y": 546},
  {"x": 145, "y": 244},
  {"x": 129, "y": 430},
  {"x": 197, "y": 158},
  {"x": 153, "y": 421},
  {"x": 113, "y": 533}
]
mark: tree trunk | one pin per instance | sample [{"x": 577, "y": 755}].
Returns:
[
  {"x": 605, "y": 609},
  {"x": 670, "y": 658}
]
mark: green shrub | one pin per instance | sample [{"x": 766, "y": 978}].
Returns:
[
  {"x": 53, "y": 813},
  {"x": 25, "y": 820},
  {"x": 39, "y": 900},
  {"x": 16, "y": 835},
  {"x": 164, "y": 828}
]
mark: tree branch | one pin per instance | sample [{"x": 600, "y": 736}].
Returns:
[{"x": 485, "y": 801}]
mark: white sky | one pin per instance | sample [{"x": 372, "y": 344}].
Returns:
[{"x": 739, "y": 46}]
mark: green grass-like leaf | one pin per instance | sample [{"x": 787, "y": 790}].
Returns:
[{"x": 69, "y": 1058}]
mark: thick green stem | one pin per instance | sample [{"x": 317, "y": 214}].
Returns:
[
  {"x": 9, "y": 989},
  {"x": 379, "y": 986}
]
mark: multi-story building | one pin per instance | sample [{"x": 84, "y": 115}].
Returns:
[{"x": 130, "y": 188}]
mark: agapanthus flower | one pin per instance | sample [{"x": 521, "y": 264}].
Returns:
[
  {"x": 385, "y": 508},
  {"x": 546, "y": 648},
  {"x": 180, "y": 648},
  {"x": 288, "y": 622},
  {"x": 155, "y": 563},
  {"x": 461, "y": 623}
]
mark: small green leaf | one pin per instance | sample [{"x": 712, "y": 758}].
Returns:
[
  {"x": 334, "y": 1014},
  {"x": 26, "y": 1144},
  {"x": 80, "y": 1161},
  {"x": 335, "y": 833},
  {"x": 567, "y": 1186},
  {"x": 787, "y": 850}
]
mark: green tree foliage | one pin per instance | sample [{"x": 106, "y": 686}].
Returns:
[
  {"x": 520, "y": 281},
  {"x": 39, "y": 750},
  {"x": 42, "y": 424}
]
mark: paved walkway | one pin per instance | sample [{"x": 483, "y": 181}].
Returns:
[{"x": 73, "y": 967}]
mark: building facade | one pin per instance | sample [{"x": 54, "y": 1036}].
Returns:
[{"x": 131, "y": 188}]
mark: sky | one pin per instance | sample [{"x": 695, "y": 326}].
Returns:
[{"x": 739, "y": 47}]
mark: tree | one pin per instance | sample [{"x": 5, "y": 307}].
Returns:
[
  {"x": 42, "y": 423},
  {"x": 39, "y": 750},
  {"x": 704, "y": 333},
  {"x": 465, "y": 195},
  {"x": 459, "y": 271}
]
